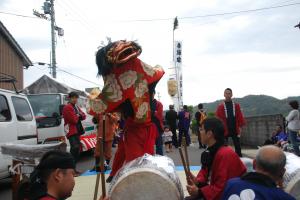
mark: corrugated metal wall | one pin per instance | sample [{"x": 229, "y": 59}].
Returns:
[{"x": 10, "y": 63}]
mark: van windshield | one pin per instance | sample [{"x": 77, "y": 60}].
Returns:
[{"x": 46, "y": 109}]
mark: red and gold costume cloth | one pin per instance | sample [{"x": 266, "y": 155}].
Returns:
[{"x": 128, "y": 84}]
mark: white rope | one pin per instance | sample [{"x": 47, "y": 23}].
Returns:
[{"x": 233, "y": 109}]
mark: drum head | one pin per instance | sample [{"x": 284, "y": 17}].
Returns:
[{"x": 144, "y": 184}]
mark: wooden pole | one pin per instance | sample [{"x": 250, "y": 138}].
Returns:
[
  {"x": 102, "y": 149},
  {"x": 186, "y": 155},
  {"x": 100, "y": 162},
  {"x": 183, "y": 162},
  {"x": 15, "y": 181}
]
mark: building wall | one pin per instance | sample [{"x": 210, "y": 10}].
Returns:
[
  {"x": 259, "y": 128},
  {"x": 10, "y": 63}
]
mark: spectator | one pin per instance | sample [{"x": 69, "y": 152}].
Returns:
[
  {"x": 73, "y": 116},
  {"x": 263, "y": 184},
  {"x": 278, "y": 136},
  {"x": 200, "y": 116},
  {"x": 219, "y": 164},
  {"x": 171, "y": 119},
  {"x": 231, "y": 115},
  {"x": 184, "y": 118},
  {"x": 53, "y": 178},
  {"x": 293, "y": 120},
  {"x": 157, "y": 117},
  {"x": 167, "y": 138}
]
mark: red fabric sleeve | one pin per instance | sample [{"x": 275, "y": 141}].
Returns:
[
  {"x": 212, "y": 191},
  {"x": 240, "y": 116},
  {"x": 220, "y": 112},
  {"x": 70, "y": 115},
  {"x": 159, "y": 112},
  {"x": 202, "y": 175},
  {"x": 222, "y": 172}
]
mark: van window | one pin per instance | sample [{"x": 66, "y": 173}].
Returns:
[
  {"x": 22, "y": 109},
  {"x": 4, "y": 110}
]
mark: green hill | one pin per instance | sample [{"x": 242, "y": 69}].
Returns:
[{"x": 253, "y": 105}]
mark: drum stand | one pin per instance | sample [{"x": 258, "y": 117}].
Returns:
[{"x": 100, "y": 166}]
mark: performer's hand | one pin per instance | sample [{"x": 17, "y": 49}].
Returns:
[
  {"x": 193, "y": 190},
  {"x": 191, "y": 178}
]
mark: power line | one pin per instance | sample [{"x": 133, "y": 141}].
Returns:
[
  {"x": 214, "y": 14},
  {"x": 76, "y": 16},
  {"x": 65, "y": 71},
  {"x": 238, "y": 12},
  {"x": 18, "y": 15},
  {"x": 187, "y": 17},
  {"x": 62, "y": 70}
]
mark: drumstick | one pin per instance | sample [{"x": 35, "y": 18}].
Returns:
[
  {"x": 97, "y": 162},
  {"x": 101, "y": 174},
  {"x": 186, "y": 155},
  {"x": 97, "y": 186},
  {"x": 102, "y": 160},
  {"x": 183, "y": 162}
]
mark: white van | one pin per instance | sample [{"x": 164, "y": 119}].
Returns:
[
  {"x": 17, "y": 124},
  {"x": 47, "y": 108}
]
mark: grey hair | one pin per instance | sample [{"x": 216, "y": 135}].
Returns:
[{"x": 272, "y": 166}]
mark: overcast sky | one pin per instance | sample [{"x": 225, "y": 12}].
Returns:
[{"x": 253, "y": 53}]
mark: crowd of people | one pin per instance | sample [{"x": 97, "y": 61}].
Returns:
[{"x": 222, "y": 176}]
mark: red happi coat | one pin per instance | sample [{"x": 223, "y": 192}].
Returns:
[
  {"x": 226, "y": 165},
  {"x": 131, "y": 81},
  {"x": 71, "y": 119},
  {"x": 239, "y": 117}
]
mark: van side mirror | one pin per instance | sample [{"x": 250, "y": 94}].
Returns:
[{"x": 61, "y": 107}]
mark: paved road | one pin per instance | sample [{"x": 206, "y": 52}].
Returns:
[{"x": 87, "y": 162}]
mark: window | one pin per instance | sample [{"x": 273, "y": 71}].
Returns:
[
  {"x": 4, "y": 110},
  {"x": 45, "y": 105},
  {"x": 22, "y": 109},
  {"x": 46, "y": 109}
]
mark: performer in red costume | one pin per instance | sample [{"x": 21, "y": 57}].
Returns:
[{"x": 128, "y": 86}]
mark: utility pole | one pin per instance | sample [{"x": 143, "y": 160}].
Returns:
[
  {"x": 49, "y": 10},
  {"x": 53, "y": 54}
]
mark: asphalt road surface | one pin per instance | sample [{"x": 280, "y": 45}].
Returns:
[{"x": 87, "y": 162}]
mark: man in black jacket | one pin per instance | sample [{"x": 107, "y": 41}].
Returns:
[{"x": 171, "y": 119}]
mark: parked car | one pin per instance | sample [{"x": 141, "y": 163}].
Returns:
[{"x": 17, "y": 124}]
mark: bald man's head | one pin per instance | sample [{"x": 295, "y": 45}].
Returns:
[{"x": 270, "y": 159}]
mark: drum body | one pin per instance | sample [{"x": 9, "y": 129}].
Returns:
[
  {"x": 147, "y": 178},
  {"x": 291, "y": 177}
]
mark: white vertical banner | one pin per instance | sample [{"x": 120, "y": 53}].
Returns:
[{"x": 178, "y": 69}]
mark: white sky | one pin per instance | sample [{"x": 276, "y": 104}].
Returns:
[{"x": 253, "y": 53}]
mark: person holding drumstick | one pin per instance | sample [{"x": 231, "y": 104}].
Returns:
[{"x": 219, "y": 164}]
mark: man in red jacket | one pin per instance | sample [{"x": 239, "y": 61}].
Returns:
[
  {"x": 232, "y": 117},
  {"x": 73, "y": 116},
  {"x": 219, "y": 164}
]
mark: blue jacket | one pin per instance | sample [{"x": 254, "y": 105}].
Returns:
[
  {"x": 254, "y": 186},
  {"x": 184, "y": 120}
]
